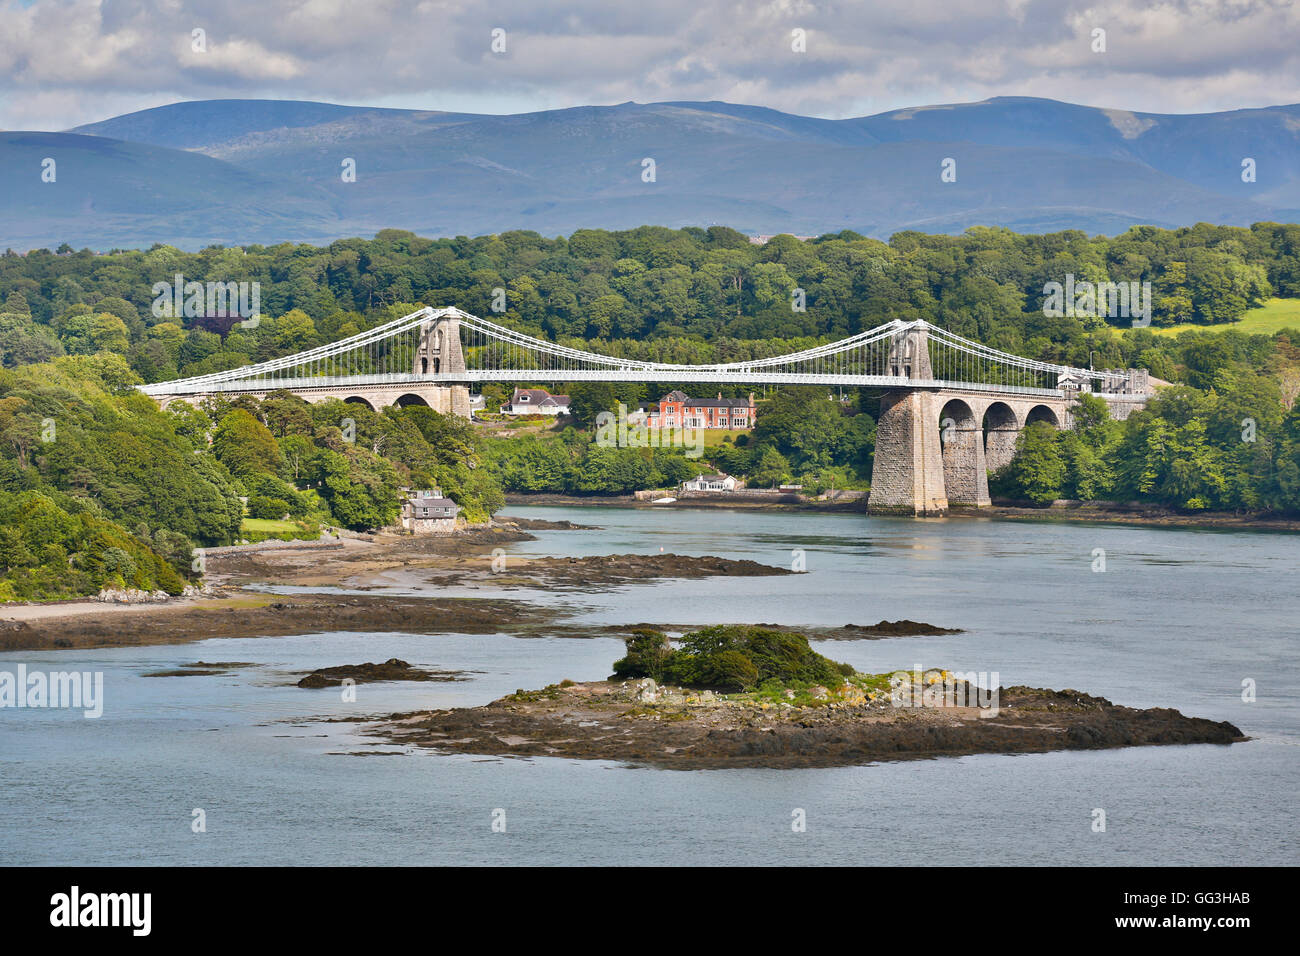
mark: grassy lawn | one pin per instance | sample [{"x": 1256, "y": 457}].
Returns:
[
  {"x": 259, "y": 529},
  {"x": 1273, "y": 316},
  {"x": 713, "y": 436}
]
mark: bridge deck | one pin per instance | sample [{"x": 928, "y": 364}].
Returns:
[{"x": 472, "y": 376}]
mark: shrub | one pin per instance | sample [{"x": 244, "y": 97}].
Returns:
[
  {"x": 265, "y": 508},
  {"x": 729, "y": 658},
  {"x": 647, "y": 652}
]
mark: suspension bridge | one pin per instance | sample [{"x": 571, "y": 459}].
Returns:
[{"x": 951, "y": 411}]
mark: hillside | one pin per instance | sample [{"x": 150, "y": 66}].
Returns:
[{"x": 268, "y": 171}]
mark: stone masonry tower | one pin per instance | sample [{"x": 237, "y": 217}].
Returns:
[
  {"x": 907, "y": 477},
  {"x": 440, "y": 353}
]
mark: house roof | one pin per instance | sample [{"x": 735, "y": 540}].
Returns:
[
  {"x": 685, "y": 399},
  {"x": 718, "y": 402},
  {"x": 537, "y": 396},
  {"x": 418, "y": 499}
]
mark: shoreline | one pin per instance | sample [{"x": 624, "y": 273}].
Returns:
[
  {"x": 1082, "y": 513},
  {"x": 243, "y": 607}
]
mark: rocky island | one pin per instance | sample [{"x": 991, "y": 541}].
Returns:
[{"x": 753, "y": 697}]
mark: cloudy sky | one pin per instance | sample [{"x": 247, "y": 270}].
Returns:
[{"x": 65, "y": 62}]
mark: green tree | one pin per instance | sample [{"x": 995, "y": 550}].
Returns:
[
  {"x": 246, "y": 446},
  {"x": 1038, "y": 470}
]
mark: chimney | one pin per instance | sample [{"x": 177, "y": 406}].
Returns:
[{"x": 719, "y": 396}]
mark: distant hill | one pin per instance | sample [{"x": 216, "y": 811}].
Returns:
[{"x": 241, "y": 171}]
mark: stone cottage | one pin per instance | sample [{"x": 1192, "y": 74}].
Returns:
[{"x": 428, "y": 512}]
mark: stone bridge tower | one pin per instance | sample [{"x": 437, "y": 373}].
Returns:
[
  {"x": 908, "y": 474},
  {"x": 439, "y": 352},
  {"x": 935, "y": 444}
]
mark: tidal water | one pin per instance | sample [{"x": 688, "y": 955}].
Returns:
[{"x": 1177, "y": 619}]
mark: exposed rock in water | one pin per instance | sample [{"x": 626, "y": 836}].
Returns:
[
  {"x": 642, "y": 722},
  {"x": 543, "y": 524},
  {"x": 585, "y": 572},
  {"x": 201, "y": 669},
  {"x": 391, "y": 669},
  {"x": 252, "y": 614},
  {"x": 903, "y": 628}
]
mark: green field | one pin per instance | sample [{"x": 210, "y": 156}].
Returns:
[
  {"x": 259, "y": 529},
  {"x": 1273, "y": 316},
  {"x": 714, "y": 436}
]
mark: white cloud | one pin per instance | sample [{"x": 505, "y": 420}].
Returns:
[{"x": 75, "y": 59}]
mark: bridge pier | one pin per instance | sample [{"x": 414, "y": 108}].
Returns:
[
  {"x": 907, "y": 477},
  {"x": 965, "y": 474},
  {"x": 1003, "y": 430}
]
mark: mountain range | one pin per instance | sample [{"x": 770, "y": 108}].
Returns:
[{"x": 263, "y": 171}]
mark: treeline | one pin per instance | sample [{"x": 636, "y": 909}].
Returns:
[
  {"x": 97, "y": 487},
  {"x": 689, "y": 295}
]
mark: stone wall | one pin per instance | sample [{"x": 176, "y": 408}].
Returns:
[
  {"x": 908, "y": 474},
  {"x": 923, "y": 468}
]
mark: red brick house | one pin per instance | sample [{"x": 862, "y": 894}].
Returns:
[{"x": 679, "y": 410}]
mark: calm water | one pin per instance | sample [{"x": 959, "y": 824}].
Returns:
[{"x": 1178, "y": 619}]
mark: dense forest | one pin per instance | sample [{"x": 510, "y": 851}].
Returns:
[
  {"x": 100, "y": 488},
  {"x": 687, "y": 295}
]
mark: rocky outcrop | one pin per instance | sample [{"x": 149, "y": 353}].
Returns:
[
  {"x": 644, "y": 722},
  {"x": 391, "y": 669}
]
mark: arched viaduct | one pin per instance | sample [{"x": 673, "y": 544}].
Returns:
[
  {"x": 448, "y": 399},
  {"x": 935, "y": 448}
]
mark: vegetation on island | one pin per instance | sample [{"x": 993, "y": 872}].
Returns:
[{"x": 729, "y": 658}]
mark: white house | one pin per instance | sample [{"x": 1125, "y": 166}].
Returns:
[
  {"x": 536, "y": 401},
  {"x": 711, "y": 483}
]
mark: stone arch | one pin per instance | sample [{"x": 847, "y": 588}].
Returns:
[
  {"x": 959, "y": 413},
  {"x": 1001, "y": 428},
  {"x": 409, "y": 399},
  {"x": 360, "y": 400},
  {"x": 962, "y": 444},
  {"x": 1042, "y": 413}
]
